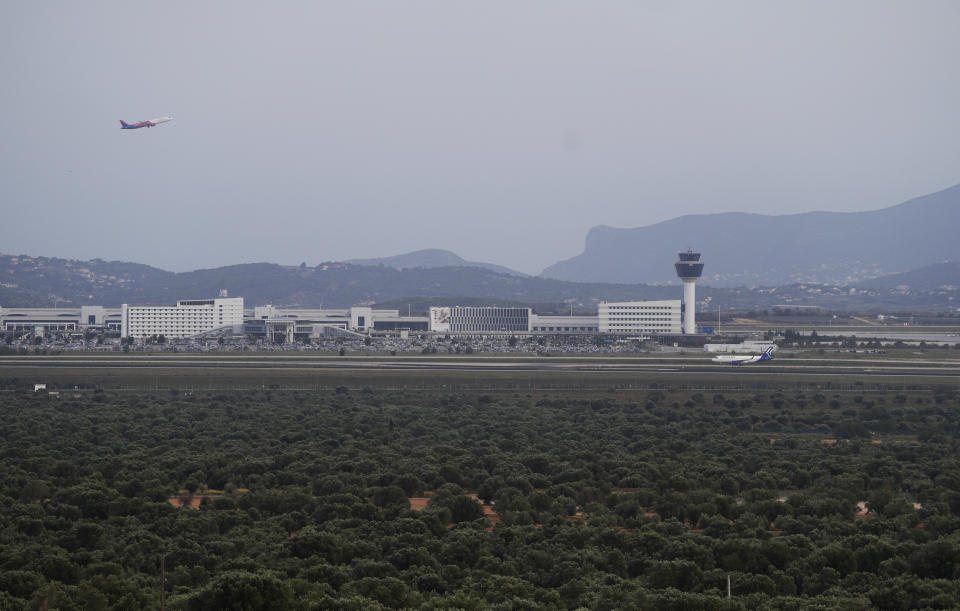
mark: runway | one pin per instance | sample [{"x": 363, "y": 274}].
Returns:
[{"x": 639, "y": 365}]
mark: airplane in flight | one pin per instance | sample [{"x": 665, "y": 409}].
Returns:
[
  {"x": 746, "y": 359},
  {"x": 150, "y": 123}
]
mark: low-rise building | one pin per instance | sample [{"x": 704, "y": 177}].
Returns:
[
  {"x": 479, "y": 319},
  {"x": 45, "y": 320},
  {"x": 564, "y": 324},
  {"x": 659, "y": 317},
  {"x": 287, "y": 324}
]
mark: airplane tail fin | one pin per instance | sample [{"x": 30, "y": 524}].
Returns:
[
  {"x": 767, "y": 354},
  {"x": 123, "y": 124}
]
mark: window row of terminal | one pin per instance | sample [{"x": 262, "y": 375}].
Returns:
[{"x": 193, "y": 318}]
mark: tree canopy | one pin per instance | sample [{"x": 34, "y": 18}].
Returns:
[{"x": 646, "y": 499}]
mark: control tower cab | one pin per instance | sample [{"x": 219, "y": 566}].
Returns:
[{"x": 689, "y": 268}]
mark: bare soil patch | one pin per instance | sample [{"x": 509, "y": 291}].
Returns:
[{"x": 419, "y": 503}]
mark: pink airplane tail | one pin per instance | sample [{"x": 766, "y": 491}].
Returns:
[{"x": 123, "y": 124}]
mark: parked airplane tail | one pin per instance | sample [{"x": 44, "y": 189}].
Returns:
[
  {"x": 123, "y": 124},
  {"x": 767, "y": 354}
]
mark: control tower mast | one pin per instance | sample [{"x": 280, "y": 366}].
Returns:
[{"x": 689, "y": 268}]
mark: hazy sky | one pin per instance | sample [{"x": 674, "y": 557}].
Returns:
[{"x": 316, "y": 131}]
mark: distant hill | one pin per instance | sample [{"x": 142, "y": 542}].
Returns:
[
  {"x": 45, "y": 282},
  {"x": 431, "y": 257},
  {"x": 42, "y": 281},
  {"x": 939, "y": 276},
  {"x": 753, "y": 249}
]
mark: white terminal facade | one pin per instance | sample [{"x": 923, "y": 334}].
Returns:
[
  {"x": 663, "y": 317},
  {"x": 190, "y": 317},
  {"x": 59, "y": 319},
  {"x": 194, "y": 317}
]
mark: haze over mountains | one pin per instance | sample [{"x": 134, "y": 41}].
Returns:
[
  {"x": 431, "y": 257},
  {"x": 936, "y": 277},
  {"x": 45, "y": 282},
  {"x": 837, "y": 248},
  {"x": 753, "y": 249},
  {"x": 834, "y": 260}
]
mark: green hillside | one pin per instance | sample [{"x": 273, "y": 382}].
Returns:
[{"x": 45, "y": 282}]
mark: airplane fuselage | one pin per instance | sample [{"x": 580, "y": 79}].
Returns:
[
  {"x": 746, "y": 359},
  {"x": 150, "y": 123}
]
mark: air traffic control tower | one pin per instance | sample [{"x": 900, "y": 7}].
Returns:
[{"x": 689, "y": 268}]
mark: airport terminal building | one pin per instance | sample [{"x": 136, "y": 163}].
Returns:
[
  {"x": 653, "y": 317},
  {"x": 46, "y": 320},
  {"x": 284, "y": 325},
  {"x": 563, "y": 324},
  {"x": 627, "y": 317},
  {"x": 191, "y": 318},
  {"x": 486, "y": 319},
  {"x": 188, "y": 318}
]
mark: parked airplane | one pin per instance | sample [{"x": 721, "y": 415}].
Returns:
[
  {"x": 150, "y": 123},
  {"x": 745, "y": 359}
]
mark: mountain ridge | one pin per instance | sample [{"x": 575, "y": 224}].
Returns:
[
  {"x": 46, "y": 282},
  {"x": 936, "y": 277},
  {"x": 430, "y": 258},
  {"x": 744, "y": 249}
]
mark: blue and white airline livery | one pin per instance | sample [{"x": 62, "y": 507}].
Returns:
[{"x": 745, "y": 359}]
